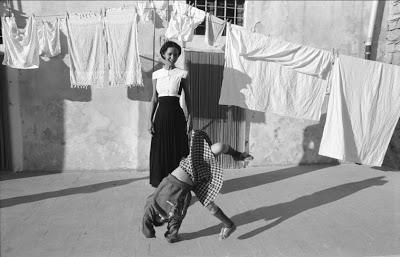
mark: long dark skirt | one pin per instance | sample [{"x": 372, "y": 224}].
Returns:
[{"x": 170, "y": 141}]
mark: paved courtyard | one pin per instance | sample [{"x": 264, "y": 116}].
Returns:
[{"x": 344, "y": 210}]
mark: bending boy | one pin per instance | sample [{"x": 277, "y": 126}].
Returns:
[{"x": 198, "y": 172}]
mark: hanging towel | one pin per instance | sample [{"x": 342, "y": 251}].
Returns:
[
  {"x": 86, "y": 47},
  {"x": 21, "y": 46},
  {"x": 267, "y": 86},
  {"x": 184, "y": 20},
  {"x": 363, "y": 109},
  {"x": 214, "y": 28},
  {"x": 49, "y": 38},
  {"x": 122, "y": 48},
  {"x": 145, "y": 10}
]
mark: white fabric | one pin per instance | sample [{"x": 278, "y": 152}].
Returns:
[
  {"x": 304, "y": 59},
  {"x": 49, "y": 38},
  {"x": 21, "y": 46},
  {"x": 363, "y": 109},
  {"x": 161, "y": 7},
  {"x": 122, "y": 48},
  {"x": 184, "y": 20},
  {"x": 86, "y": 47},
  {"x": 214, "y": 28},
  {"x": 168, "y": 81},
  {"x": 145, "y": 10},
  {"x": 267, "y": 86}
]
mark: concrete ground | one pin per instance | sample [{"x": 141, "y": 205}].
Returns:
[{"x": 344, "y": 210}]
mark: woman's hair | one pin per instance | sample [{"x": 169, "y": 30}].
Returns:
[{"x": 167, "y": 45}]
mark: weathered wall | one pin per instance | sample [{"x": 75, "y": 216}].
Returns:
[
  {"x": 59, "y": 128},
  {"x": 322, "y": 24}
]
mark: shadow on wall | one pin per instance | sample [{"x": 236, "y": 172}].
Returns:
[
  {"x": 5, "y": 143},
  {"x": 43, "y": 93},
  {"x": 205, "y": 80},
  {"x": 312, "y": 136},
  {"x": 392, "y": 156},
  {"x": 144, "y": 93}
]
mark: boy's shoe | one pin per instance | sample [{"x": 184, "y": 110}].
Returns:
[
  {"x": 245, "y": 156},
  {"x": 226, "y": 232},
  {"x": 172, "y": 238}
]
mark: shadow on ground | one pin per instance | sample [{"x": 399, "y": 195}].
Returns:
[
  {"x": 247, "y": 182},
  {"x": 9, "y": 175},
  {"x": 283, "y": 211},
  {"x": 64, "y": 192}
]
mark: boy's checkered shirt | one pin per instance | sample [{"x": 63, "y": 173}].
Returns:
[{"x": 203, "y": 168}]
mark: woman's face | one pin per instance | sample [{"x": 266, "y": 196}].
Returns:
[{"x": 171, "y": 55}]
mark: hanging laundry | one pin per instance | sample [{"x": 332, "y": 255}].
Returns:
[
  {"x": 87, "y": 50},
  {"x": 184, "y": 19},
  {"x": 145, "y": 10},
  {"x": 304, "y": 59},
  {"x": 214, "y": 28},
  {"x": 49, "y": 38},
  {"x": 267, "y": 86},
  {"x": 21, "y": 46},
  {"x": 161, "y": 8},
  {"x": 122, "y": 48},
  {"x": 363, "y": 110}
]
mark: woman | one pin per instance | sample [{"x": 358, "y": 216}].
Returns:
[{"x": 168, "y": 124}]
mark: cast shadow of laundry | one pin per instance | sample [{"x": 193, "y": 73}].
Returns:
[
  {"x": 312, "y": 136},
  {"x": 8, "y": 202},
  {"x": 44, "y": 93},
  {"x": 284, "y": 211}
]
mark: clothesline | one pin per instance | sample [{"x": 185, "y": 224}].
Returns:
[{"x": 10, "y": 12}]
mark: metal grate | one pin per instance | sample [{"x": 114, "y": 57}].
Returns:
[{"x": 232, "y": 10}]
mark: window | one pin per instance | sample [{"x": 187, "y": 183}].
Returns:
[{"x": 232, "y": 10}]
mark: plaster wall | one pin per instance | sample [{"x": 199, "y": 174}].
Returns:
[
  {"x": 56, "y": 127},
  {"x": 59, "y": 128}
]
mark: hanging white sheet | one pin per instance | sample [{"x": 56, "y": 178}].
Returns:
[
  {"x": 268, "y": 86},
  {"x": 184, "y": 20},
  {"x": 21, "y": 45},
  {"x": 87, "y": 50},
  {"x": 49, "y": 38},
  {"x": 363, "y": 109},
  {"x": 122, "y": 48}
]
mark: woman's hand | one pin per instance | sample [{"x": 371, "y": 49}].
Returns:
[
  {"x": 151, "y": 128},
  {"x": 189, "y": 124}
]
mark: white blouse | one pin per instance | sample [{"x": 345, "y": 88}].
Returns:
[{"x": 168, "y": 81}]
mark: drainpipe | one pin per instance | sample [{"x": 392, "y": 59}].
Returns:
[{"x": 372, "y": 18}]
